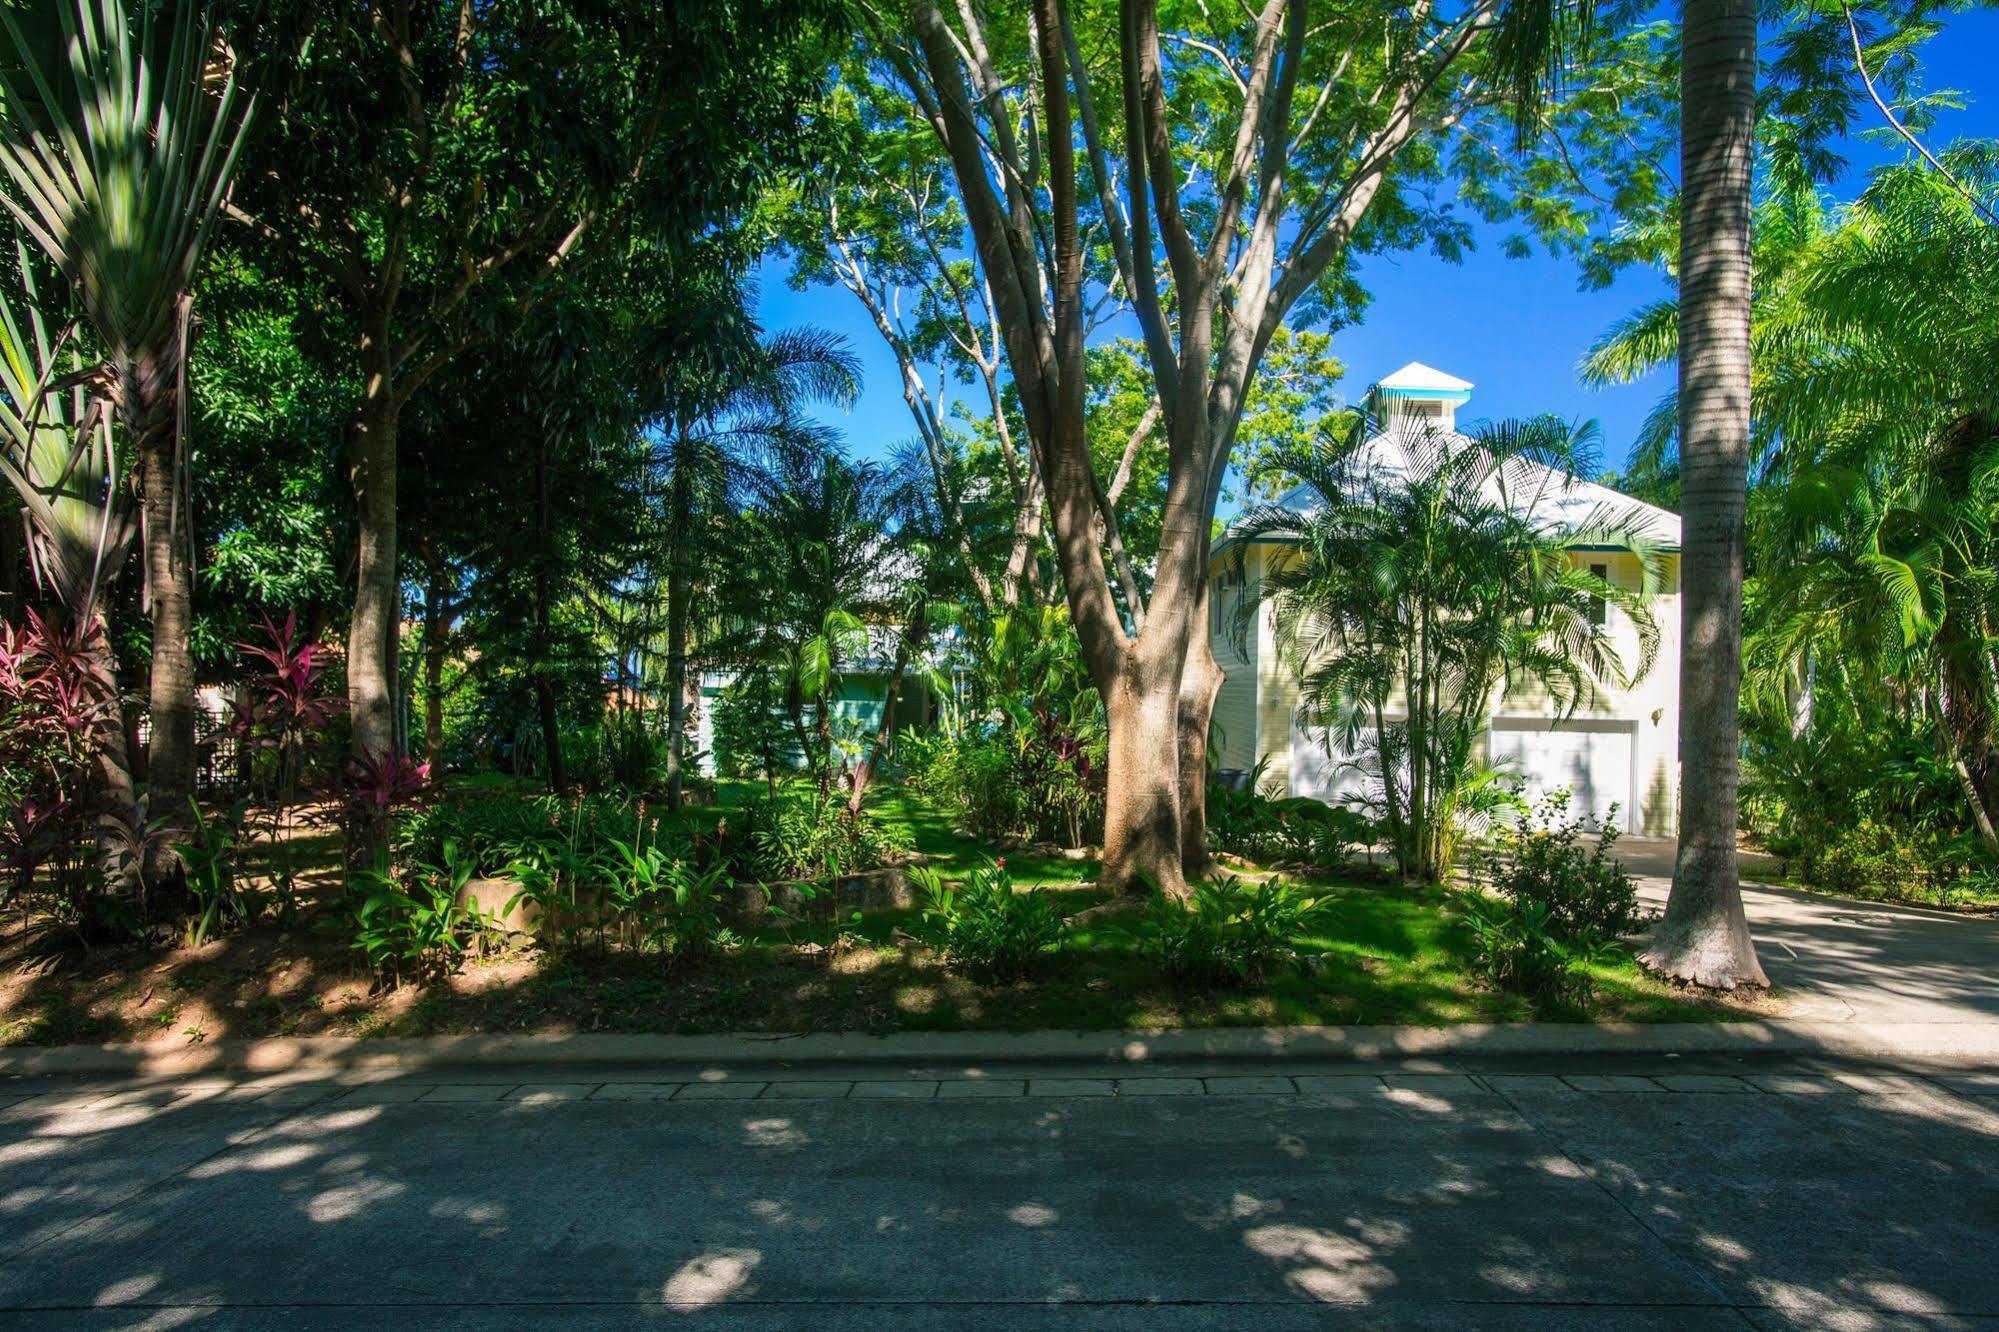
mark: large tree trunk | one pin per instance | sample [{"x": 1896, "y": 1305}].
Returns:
[
  {"x": 1200, "y": 683},
  {"x": 544, "y": 614},
  {"x": 372, "y": 633},
  {"x": 170, "y": 750},
  {"x": 13, "y": 558},
  {"x": 1704, "y": 938},
  {"x": 117, "y": 799},
  {"x": 676, "y": 688},
  {"x": 1142, "y": 796},
  {"x": 551, "y": 732}
]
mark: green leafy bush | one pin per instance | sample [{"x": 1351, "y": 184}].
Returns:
[
  {"x": 1250, "y": 824},
  {"x": 987, "y": 928},
  {"x": 969, "y": 775},
  {"x": 811, "y": 838},
  {"x": 414, "y": 925},
  {"x": 1541, "y": 858},
  {"x": 1515, "y": 948},
  {"x": 642, "y": 895},
  {"x": 1229, "y": 932},
  {"x": 1545, "y": 905},
  {"x": 624, "y": 752},
  {"x": 217, "y": 896},
  {"x": 1030, "y": 775},
  {"x": 1864, "y": 806}
]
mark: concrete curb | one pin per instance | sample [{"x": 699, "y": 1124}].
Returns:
[{"x": 1962, "y": 1043}]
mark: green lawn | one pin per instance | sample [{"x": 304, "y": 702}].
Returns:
[{"x": 1387, "y": 957}]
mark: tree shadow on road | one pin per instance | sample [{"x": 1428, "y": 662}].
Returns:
[{"x": 1429, "y": 1202}]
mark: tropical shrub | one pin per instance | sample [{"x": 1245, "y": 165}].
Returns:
[
  {"x": 377, "y": 788},
  {"x": 1544, "y": 905},
  {"x": 625, "y": 752},
  {"x": 1863, "y": 809},
  {"x": 816, "y": 838},
  {"x": 1249, "y": 824},
  {"x": 417, "y": 925},
  {"x": 56, "y": 701},
  {"x": 1541, "y": 858},
  {"x": 218, "y": 896},
  {"x": 971, "y": 775},
  {"x": 753, "y": 737},
  {"x": 986, "y": 927},
  {"x": 1230, "y": 931},
  {"x": 1514, "y": 948},
  {"x": 1032, "y": 777},
  {"x": 285, "y": 713}
]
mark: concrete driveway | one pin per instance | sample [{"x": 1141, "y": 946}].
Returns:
[
  {"x": 1670, "y": 1194},
  {"x": 1837, "y": 959}
]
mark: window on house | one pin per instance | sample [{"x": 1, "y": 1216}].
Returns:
[
  {"x": 1599, "y": 609},
  {"x": 1224, "y": 603}
]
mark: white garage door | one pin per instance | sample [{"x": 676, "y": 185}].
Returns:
[{"x": 1591, "y": 760}]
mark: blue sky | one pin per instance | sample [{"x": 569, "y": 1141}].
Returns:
[{"x": 1514, "y": 327}]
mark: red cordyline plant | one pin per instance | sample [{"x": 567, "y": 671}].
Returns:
[
  {"x": 377, "y": 787},
  {"x": 382, "y": 784},
  {"x": 287, "y": 710},
  {"x": 54, "y": 698}
]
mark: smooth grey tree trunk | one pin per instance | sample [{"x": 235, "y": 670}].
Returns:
[
  {"x": 1704, "y": 938},
  {"x": 170, "y": 750}
]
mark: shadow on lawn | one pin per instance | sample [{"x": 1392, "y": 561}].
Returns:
[
  {"x": 1438, "y": 1208},
  {"x": 1386, "y": 956}
]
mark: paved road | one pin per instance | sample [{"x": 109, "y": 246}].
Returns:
[
  {"x": 1669, "y": 1194},
  {"x": 1837, "y": 959}
]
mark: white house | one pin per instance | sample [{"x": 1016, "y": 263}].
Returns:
[{"x": 1622, "y": 749}]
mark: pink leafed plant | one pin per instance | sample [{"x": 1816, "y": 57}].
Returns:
[
  {"x": 377, "y": 784},
  {"x": 288, "y": 706}
]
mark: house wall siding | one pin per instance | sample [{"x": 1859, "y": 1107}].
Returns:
[{"x": 1235, "y": 718}]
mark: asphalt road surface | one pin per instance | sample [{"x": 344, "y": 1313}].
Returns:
[{"x": 1670, "y": 1193}]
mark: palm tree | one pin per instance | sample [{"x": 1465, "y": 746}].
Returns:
[
  {"x": 1704, "y": 938},
  {"x": 1875, "y": 534},
  {"x": 58, "y": 457},
  {"x": 806, "y": 578},
  {"x": 706, "y": 457},
  {"x": 921, "y": 592},
  {"x": 1430, "y": 574},
  {"x": 120, "y": 137}
]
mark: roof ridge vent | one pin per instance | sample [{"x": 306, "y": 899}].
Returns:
[{"x": 1419, "y": 393}]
